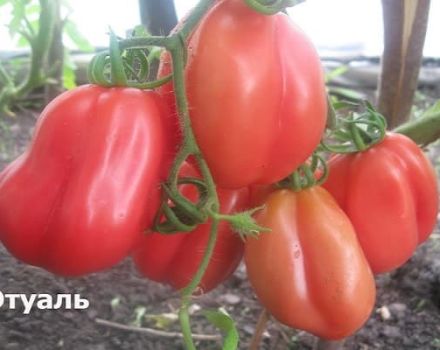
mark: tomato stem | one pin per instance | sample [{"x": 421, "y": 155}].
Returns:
[
  {"x": 118, "y": 76},
  {"x": 190, "y": 147},
  {"x": 259, "y": 330},
  {"x": 307, "y": 176},
  {"x": 356, "y": 133}
]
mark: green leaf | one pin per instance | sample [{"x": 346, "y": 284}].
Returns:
[
  {"x": 18, "y": 14},
  {"x": 32, "y": 10},
  {"x": 431, "y": 111},
  {"x": 221, "y": 320},
  {"x": 69, "y": 69},
  {"x": 78, "y": 39},
  {"x": 347, "y": 93},
  {"x": 335, "y": 73},
  {"x": 140, "y": 32},
  {"x": 69, "y": 77},
  {"x": 22, "y": 42}
]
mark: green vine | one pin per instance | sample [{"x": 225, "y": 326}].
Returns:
[{"x": 40, "y": 43}]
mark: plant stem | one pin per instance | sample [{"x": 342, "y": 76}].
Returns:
[
  {"x": 261, "y": 326},
  {"x": 55, "y": 59},
  {"x": 185, "y": 324},
  {"x": 422, "y": 131},
  {"x": 189, "y": 290},
  {"x": 5, "y": 78},
  {"x": 168, "y": 42},
  {"x": 194, "y": 18},
  {"x": 40, "y": 48},
  {"x": 177, "y": 48}
]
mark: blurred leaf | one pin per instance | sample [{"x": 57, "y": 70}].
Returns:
[
  {"x": 78, "y": 39},
  {"x": 139, "y": 314},
  {"x": 155, "y": 53},
  {"x": 163, "y": 321},
  {"x": 140, "y": 32},
  {"x": 335, "y": 73},
  {"x": 4, "y": 2},
  {"x": 347, "y": 93},
  {"x": 18, "y": 14},
  {"x": 116, "y": 301},
  {"x": 33, "y": 10},
  {"x": 338, "y": 104},
  {"x": 433, "y": 110},
  {"x": 226, "y": 324},
  {"x": 22, "y": 42},
  {"x": 69, "y": 69}
]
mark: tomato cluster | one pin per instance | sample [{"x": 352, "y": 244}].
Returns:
[{"x": 85, "y": 193}]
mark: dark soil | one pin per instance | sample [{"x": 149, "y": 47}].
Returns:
[{"x": 410, "y": 296}]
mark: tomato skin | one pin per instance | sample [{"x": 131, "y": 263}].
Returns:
[
  {"x": 249, "y": 92},
  {"x": 79, "y": 197},
  {"x": 174, "y": 259},
  {"x": 309, "y": 271},
  {"x": 390, "y": 194}
]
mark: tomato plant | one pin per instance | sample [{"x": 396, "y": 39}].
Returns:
[
  {"x": 77, "y": 200},
  {"x": 250, "y": 91},
  {"x": 390, "y": 194},
  {"x": 310, "y": 272},
  {"x": 174, "y": 259}
]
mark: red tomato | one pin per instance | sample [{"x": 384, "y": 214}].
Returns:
[
  {"x": 174, "y": 259},
  {"x": 256, "y": 94},
  {"x": 390, "y": 194},
  {"x": 78, "y": 199},
  {"x": 309, "y": 271}
]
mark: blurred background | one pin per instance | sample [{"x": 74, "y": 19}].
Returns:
[{"x": 337, "y": 27}]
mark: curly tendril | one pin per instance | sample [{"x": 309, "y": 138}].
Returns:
[
  {"x": 357, "y": 132},
  {"x": 271, "y": 7},
  {"x": 179, "y": 214},
  {"x": 128, "y": 67}
]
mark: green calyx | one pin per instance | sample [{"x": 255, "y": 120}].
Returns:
[
  {"x": 356, "y": 133},
  {"x": 271, "y": 7},
  {"x": 312, "y": 173},
  {"x": 243, "y": 223}
]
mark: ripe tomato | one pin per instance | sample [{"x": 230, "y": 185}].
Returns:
[
  {"x": 256, "y": 94},
  {"x": 79, "y": 197},
  {"x": 309, "y": 271},
  {"x": 174, "y": 259},
  {"x": 390, "y": 194}
]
